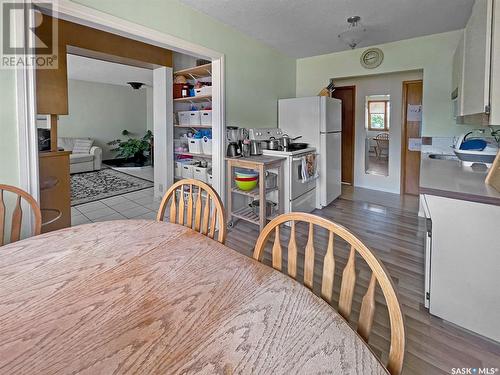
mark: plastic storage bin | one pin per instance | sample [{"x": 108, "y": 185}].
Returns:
[
  {"x": 206, "y": 144},
  {"x": 178, "y": 169},
  {"x": 187, "y": 170},
  {"x": 206, "y": 118},
  {"x": 205, "y": 90},
  {"x": 181, "y": 145},
  {"x": 200, "y": 173},
  {"x": 189, "y": 118},
  {"x": 195, "y": 145}
]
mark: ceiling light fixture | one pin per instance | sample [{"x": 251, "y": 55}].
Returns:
[{"x": 354, "y": 33}]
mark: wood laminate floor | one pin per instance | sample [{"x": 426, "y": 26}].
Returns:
[{"x": 390, "y": 226}]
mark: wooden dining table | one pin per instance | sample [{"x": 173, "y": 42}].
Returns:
[{"x": 137, "y": 296}]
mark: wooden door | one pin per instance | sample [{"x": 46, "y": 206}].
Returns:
[
  {"x": 348, "y": 96},
  {"x": 410, "y": 160}
]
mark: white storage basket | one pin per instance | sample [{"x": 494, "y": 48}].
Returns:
[
  {"x": 178, "y": 169},
  {"x": 189, "y": 118},
  {"x": 205, "y": 90},
  {"x": 187, "y": 170},
  {"x": 206, "y": 118},
  {"x": 200, "y": 173},
  {"x": 206, "y": 146},
  {"x": 183, "y": 117},
  {"x": 195, "y": 145}
]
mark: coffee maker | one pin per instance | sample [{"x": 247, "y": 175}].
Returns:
[{"x": 233, "y": 139}]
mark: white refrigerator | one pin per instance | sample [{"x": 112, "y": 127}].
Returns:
[{"x": 318, "y": 120}]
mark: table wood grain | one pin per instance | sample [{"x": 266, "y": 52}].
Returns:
[{"x": 139, "y": 296}]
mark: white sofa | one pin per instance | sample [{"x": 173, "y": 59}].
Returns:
[{"x": 81, "y": 162}]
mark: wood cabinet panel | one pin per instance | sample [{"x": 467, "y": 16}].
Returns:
[
  {"x": 52, "y": 84},
  {"x": 55, "y": 191}
]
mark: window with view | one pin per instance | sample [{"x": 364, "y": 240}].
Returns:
[{"x": 378, "y": 115}]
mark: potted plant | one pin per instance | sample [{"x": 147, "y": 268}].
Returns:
[{"x": 133, "y": 149}]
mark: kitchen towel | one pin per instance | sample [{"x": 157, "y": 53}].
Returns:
[{"x": 309, "y": 168}]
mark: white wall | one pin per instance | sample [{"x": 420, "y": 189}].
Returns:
[
  {"x": 384, "y": 84},
  {"x": 433, "y": 54},
  {"x": 101, "y": 111}
]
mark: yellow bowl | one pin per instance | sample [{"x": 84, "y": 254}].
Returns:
[{"x": 246, "y": 185}]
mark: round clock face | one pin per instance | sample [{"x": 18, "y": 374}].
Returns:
[{"x": 372, "y": 58}]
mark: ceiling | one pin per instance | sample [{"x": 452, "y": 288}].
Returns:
[
  {"x": 302, "y": 28},
  {"x": 93, "y": 70}
]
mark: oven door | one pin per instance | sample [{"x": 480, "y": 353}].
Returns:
[{"x": 299, "y": 188}]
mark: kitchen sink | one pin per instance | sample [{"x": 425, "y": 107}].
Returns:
[{"x": 443, "y": 157}]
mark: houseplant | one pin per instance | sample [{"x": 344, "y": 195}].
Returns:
[{"x": 133, "y": 149}]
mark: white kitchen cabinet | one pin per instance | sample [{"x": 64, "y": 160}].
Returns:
[
  {"x": 457, "y": 75},
  {"x": 495, "y": 67},
  {"x": 477, "y": 50},
  {"x": 463, "y": 263}
]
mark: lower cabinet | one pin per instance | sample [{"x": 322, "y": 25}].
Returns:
[
  {"x": 55, "y": 190},
  {"x": 463, "y": 263}
]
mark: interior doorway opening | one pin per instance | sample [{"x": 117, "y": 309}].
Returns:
[{"x": 100, "y": 21}]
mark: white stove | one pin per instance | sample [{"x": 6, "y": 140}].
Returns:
[
  {"x": 289, "y": 153},
  {"x": 298, "y": 196}
]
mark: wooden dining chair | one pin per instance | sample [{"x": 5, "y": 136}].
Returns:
[
  {"x": 17, "y": 214},
  {"x": 190, "y": 210},
  {"x": 379, "y": 275}
]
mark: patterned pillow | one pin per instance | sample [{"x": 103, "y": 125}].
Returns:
[{"x": 82, "y": 146}]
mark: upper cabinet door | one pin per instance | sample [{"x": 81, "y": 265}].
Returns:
[
  {"x": 495, "y": 68},
  {"x": 457, "y": 75},
  {"x": 477, "y": 59}
]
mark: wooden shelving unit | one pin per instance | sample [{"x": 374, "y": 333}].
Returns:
[
  {"x": 194, "y": 99},
  {"x": 247, "y": 214},
  {"x": 193, "y": 126},
  {"x": 204, "y": 156},
  {"x": 196, "y": 72},
  {"x": 252, "y": 193},
  {"x": 259, "y": 164},
  {"x": 192, "y": 74}
]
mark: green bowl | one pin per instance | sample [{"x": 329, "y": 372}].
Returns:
[{"x": 246, "y": 185}]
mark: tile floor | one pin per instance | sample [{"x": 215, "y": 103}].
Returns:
[{"x": 139, "y": 204}]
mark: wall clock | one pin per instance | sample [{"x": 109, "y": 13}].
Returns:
[{"x": 371, "y": 58}]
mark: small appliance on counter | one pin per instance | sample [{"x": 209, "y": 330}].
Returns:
[
  {"x": 473, "y": 150},
  {"x": 233, "y": 139}
]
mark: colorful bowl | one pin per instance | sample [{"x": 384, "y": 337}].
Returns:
[
  {"x": 246, "y": 178},
  {"x": 246, "y": 185},
  {"x": 244, "y": 173}
]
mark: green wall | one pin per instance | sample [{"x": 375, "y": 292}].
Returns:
[
  {"x": 433, "y": 54},
  {"x": 256, "y": 75},
  {"x": 9, "y": 160},
  {"x": 101, "y": 111}
]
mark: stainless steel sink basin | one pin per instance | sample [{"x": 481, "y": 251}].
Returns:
[{"x": 443, "y": 157}]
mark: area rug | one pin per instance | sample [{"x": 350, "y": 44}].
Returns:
[{"x": 93, "y": 186}]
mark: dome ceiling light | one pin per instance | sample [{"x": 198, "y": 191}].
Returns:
[{"x": 354, "y": 33}]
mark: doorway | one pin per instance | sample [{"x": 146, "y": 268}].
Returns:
[
  {"x": 348, "y": 96},
  {"x": 411, "y": 130},
  {"x": 27, "y": 103}
]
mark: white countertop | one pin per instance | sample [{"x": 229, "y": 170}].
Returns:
[{"x": 448, "y": 178}]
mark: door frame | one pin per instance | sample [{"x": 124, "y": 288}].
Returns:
[
  {"x": 353, "y": 138},
  {"x": 70, "y": 11},
  {"x": 404, "y": 132}
]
